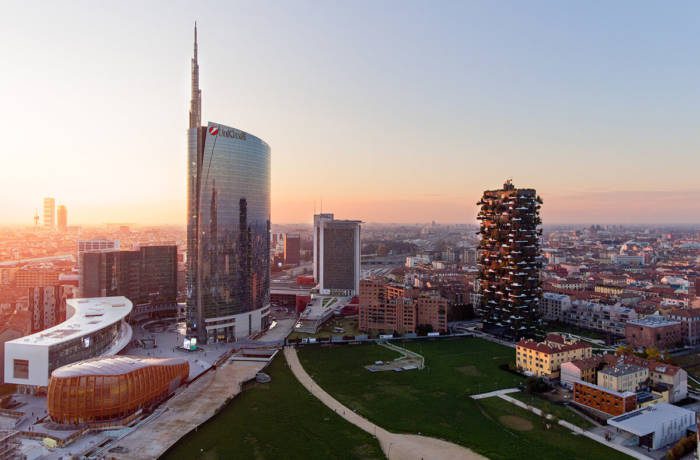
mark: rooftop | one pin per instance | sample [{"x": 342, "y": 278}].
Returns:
[
  {"x": 652, "y": 321},
  {"x": 85, "y": 317},
  {"x": 622, "y": 369},
  {"x": 113, "y": 365},
  {"x": 641, "y": 422}
]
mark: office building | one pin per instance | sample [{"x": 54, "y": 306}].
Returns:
[
  {"x": 30, "y": 277},
  {"x": 92, "y": 246},
  {"x": 47, "y": 305},
  {"x": 147, "y": 277},
  {"x": 228, "y": 228},
  {"x": 62, "y": 218},
  {"x": 95, "y": 327},
  {"x": 292, "y": 249},
  {"x": 544, "y": 359},
  {"x": 112, "y": 388},
  {"x": 337, "y": 255},
  {"x": 510, "y": 261},
  {"x": 654, "y": 331},
  {"x": 49, "y": 212}
]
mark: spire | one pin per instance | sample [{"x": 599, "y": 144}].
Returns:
[{"x": 196, "y": 98}]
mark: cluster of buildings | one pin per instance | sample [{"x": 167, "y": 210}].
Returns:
[
  {"x": 387, "y": 308},
  {"x": 605, "y": 385}
]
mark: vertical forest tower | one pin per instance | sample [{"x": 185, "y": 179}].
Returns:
[{"x": 509, "y": 261}]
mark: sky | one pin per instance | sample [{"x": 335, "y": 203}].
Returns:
[{"x": 385, "y": 111}]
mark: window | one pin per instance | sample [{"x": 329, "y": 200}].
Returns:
[{"x": 21, "y": 369}]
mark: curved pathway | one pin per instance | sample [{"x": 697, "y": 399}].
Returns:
[{"x": 395, "y": 446}]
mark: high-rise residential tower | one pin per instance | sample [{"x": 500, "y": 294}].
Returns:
[
  {"x": 49, "y": 212},
  {"x": 62, "y": 218},
  {"x": 337, "y": 255},
  {"x": 509, "y": 261},
  {"x": 228, "y": 227}
]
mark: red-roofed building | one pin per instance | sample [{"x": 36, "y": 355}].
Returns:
[{"x": 544, "y": 359}]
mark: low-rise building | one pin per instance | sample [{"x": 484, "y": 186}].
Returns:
[
  {"x": 552, "y": 305},
  {"x": 580, "y": 369},
  {"x": 656, "y": 426},
  {"x": 622, "y": 377},
  {"x": 654, "y": 331},
  {"x": 603, "y": 399},
  {"x": 673, "y": 378},
  {"x": 690, "y": 320},
  {"x": 544, "y": 359}
]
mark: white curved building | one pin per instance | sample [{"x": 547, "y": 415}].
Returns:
[{"x": 95, "y": 327}]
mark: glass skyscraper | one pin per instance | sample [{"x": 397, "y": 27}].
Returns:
[{"x": 228, "y": 228}]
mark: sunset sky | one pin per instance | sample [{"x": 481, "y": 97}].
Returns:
[{"x": 388, "y": 111}]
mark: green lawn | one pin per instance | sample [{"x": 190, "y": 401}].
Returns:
[
  {"x": 535, "y": 439},
  {"x": 435, "y": 401},
  {"x": 277, "y": 420},
  {"x": 559, "y": 411}
]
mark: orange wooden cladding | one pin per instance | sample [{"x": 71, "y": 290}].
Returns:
[{"x": 93, "y": 398}]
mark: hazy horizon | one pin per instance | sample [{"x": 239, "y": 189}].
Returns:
[{"x": 391, "y": 112}]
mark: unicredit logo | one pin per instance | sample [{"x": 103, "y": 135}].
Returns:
[
  {"x": 230, "y": 133},
  {"x": 214, "y": 130}
]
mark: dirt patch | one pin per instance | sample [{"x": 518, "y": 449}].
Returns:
[
  {"x": 470, "y": 371},
  {"x": 516, "y": 423}
]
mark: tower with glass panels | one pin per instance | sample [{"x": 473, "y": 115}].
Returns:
[{"x": 228, "y": 228}]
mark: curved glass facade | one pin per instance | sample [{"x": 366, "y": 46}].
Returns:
[
  {"x": 111, "y": 388},
  {"x": 228, "y": 231}
]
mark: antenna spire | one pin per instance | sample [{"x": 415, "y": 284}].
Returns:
[{"x": 196, "y": 99}]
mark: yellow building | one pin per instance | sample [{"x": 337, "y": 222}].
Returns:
[
  {"x": 544, "y": 359},
  {"x": 622, "y": 377}
]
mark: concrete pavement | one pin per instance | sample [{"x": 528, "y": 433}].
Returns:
[{"x": 395, "y": 446}]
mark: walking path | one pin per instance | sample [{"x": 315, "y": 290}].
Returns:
[
  {"x": 395, "y": 446},
  {"x": 185, "y": 412},
  {"x": 491, "y": 394},
  {"x": 570, "y": 426}
]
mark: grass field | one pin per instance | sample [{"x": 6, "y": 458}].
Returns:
[
  {"x": 557, "y": 410},
  {"x": 436, "y": 401},
  {"x": 535, "y": 439},
  {"x": 277, "y": 420}
]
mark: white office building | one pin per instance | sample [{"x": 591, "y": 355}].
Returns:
[{"x": 94, "y": 327}]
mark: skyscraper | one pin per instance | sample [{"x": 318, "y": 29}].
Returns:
[
  {"x": 147, "y": 277},
  {"x": 509, "y": 261},
  {"x": 62, "y": 218},
  {"x": 292, "y": 249},
  {"x": 337, "y": 255},
  {"x": 49, "y": 212},
  {"x": 228, "y": 227}
]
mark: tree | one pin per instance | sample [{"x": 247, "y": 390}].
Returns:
[
  {"x": 652, "y": 353},
  {"x": 623, "y": 350}
]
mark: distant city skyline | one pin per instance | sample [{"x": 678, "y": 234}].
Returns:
[{"x": 394, "y": 112}]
